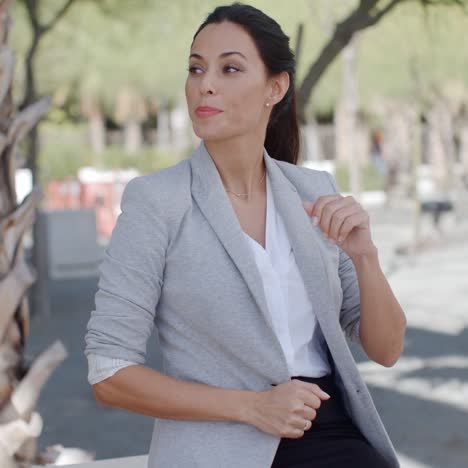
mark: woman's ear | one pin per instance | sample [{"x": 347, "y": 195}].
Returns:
[{"x": 279, "y": 87}]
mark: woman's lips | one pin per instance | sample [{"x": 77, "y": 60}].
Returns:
[{"x": 206, "y": 112}]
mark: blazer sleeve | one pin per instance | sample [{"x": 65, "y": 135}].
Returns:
[
  {"x": 131, "y": 277},
  {"x": 350, "y": 314}
]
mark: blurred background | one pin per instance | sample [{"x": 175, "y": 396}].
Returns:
[{"x": 92, "y": 95}]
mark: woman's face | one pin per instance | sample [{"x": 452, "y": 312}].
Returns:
[{"x": 235, "y": 83}]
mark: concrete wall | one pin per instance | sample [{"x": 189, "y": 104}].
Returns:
[{"x": 126, "y": 462}]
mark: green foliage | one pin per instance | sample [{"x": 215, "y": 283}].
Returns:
[
  {"x": 371, "y": 178},
  {"x": 108, "y": 44},
  {"x": 147, "y": 160},
  {"x": 100, "y": 46},
  {"x": 64, "y": 150}
]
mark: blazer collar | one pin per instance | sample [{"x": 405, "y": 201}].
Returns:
[{"x": 210, "y": 195}]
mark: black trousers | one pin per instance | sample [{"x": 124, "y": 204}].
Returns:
[{"x": 333, "y": 441}]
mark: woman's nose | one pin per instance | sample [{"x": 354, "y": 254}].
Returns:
[{"x": 207, "y": 84}]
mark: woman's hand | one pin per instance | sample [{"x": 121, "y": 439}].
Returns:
[
  {"x": 343, "y": 221},
  {"x": 284, "y": 409}
]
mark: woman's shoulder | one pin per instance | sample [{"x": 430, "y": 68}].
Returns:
[
  {"x": 169, "y": 179},
  {"x": 166, "y": 182},
  {"x": 167, "y": 190}
]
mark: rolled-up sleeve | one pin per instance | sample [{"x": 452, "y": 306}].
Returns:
[
  {"x": 350, "y": 313},
  {"x": 130, "y": 280},
  {"x": 103, "y": 367}
]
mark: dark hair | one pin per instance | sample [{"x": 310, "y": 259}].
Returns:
[{"x": 282, "y": 135}]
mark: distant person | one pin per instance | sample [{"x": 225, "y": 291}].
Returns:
[
  {"x": 376, "y": 152},
  {"x": 227, "y": 254}
]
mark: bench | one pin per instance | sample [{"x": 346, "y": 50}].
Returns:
[{"x": 436, "y": 208}]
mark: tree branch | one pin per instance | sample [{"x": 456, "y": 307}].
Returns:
[
  {"x": 31, "y": 8},
  {"x": 47, "y": 27},
  {"x": 367, "y": 5},
  {"x": 385, "y": 10},
  {"x": 442, "y": 2},
  {"x": 360, "y": 18}
]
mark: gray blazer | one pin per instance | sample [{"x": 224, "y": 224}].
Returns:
[{"x": 178, "y": 259}]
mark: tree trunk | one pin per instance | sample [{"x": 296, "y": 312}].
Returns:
[
  {"x": 91, "y": 109},
  {"x": 437, "y": 150},
  {"x": 130, "y": 112},
  {"x": 366, "y": 14},
  {"x": 463, "y": 154},
  {"x": 346, "y": 121},
  {"x": 97, "y": 133},
  {"x": 133, "y": 136},
  {"x": 20, "y": 382}
]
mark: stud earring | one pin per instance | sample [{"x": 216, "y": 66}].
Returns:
[{"x": 267, "y": 104}]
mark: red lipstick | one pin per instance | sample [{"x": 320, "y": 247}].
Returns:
[{"x": 207, "y": 111}]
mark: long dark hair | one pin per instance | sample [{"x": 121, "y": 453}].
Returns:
[{"x": 282, "y": 135}]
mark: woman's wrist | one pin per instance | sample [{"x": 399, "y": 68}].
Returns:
[{"x": 248, "y": 403}]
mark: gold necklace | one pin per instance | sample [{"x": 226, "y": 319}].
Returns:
[{"x": 245, "y": 194}]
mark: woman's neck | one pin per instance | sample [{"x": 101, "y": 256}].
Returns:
[{"x": 240, "y": 164}]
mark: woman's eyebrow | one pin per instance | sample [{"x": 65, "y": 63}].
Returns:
[{"x": 224, "y": 54}]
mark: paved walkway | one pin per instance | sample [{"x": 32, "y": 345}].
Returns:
[{"x": 423, "y": 399}]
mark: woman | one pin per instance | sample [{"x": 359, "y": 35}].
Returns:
[{"x": 255, "y": 271}]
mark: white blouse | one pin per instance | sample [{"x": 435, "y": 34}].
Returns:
[{"x": 291, "y": 310}]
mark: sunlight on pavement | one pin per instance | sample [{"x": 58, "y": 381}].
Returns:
[{"x": 449, "y": 391}]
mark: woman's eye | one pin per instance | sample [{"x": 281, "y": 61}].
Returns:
[
  {"x": 192, "y": 69},
  {"x": 231, "y": 66}
]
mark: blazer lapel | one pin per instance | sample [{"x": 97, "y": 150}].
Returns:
[
  {"x": 208, "y": 192},
  {"x": 306, "y": 244}
]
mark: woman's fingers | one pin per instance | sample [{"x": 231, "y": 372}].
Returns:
[
  {"x": 343, "y": 221},
  {"x": 312, "y": 402},
  {"x": 334, "y": 214},
  {"x": 355, "y": 219},
  {"x": 312, "y": 399},
  {"x": 299, "y": 423},
  {"x": 325, "y": 208},
  {"x": 313, "y": 389},
  {"x": 309, "y": 413},
  {"x": 285, "y": 408}
]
